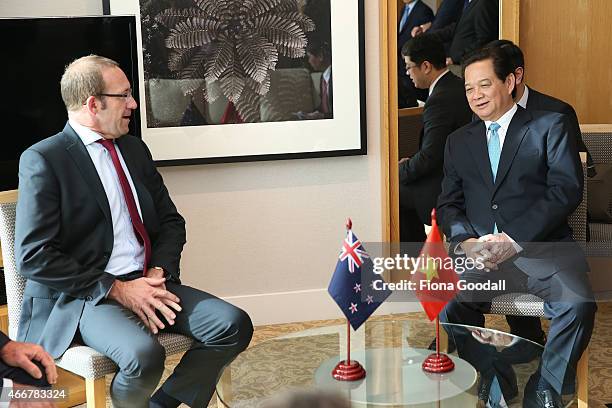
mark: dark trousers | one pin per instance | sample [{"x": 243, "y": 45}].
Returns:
[
  {"x": 20, "y": 376},
  {"x": 568, "y": 302},
  {"x": 220, "y": 330}
]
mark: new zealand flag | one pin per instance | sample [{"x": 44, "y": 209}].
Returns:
[{"x": 353, "y": 284}]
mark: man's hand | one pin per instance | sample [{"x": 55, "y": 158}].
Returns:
[
  {"x": 497, "y": 247},
  {"x": 28, "y": 403},
  {"x": 473, "y": 248},
  {"x": 156, "y": 273},
  {"x": 17, "y": 354},
  {"x": 143, "y": 296},
  {"x": 418, "y": 30},
  {"x": 404, "y": 159}
]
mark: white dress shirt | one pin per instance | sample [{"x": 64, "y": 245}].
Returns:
[
  {"x": 128, "y": 254},
  {"x": 523, "y": 101},
  {"x": 504, "y": 123}
]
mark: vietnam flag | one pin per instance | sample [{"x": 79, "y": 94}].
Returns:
[{"x": 435, "y": 279}]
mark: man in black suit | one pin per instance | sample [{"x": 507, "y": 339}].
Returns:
[
  {"x": 413, "y": 14},
  {"x": 448, "y": 13},
  {"x": 511, "y": 180},
  {"x": 23, "y": 366},
  {"x": 478, "y": 25},
  {"x": 445, "y": 111},
  {"x": 99, "y": 240}
]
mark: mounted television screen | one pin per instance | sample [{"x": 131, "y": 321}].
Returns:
[{"x": 35, "y": 53}]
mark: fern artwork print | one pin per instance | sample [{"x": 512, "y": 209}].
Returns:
[
  {"x": 237, "y": 80},
  {"x": 235, "y": 61}
]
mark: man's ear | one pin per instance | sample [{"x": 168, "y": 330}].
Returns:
[
  {"x": 519, "y": 73},
  {"x": 427, "y": 67},
  {"x": 510, "y": 82},
  {"x": 92, "y": 105}
]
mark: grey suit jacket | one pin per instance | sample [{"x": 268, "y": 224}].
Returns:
[{"x": 64, "y": 236}]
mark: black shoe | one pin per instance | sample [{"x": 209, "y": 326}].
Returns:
[
  {"x": 451, "y": 345},
  {"x": 542, "y": 399}
]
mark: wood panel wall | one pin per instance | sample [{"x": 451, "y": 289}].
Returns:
[{"x": 568, "y": 53}]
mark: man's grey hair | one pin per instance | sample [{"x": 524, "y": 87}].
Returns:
[{"x": 83, "y": 78}]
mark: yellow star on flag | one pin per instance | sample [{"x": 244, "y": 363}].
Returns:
[{"x": 430, "y": 269}]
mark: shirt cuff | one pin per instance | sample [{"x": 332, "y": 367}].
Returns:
[{"x": 516, "y": 246}]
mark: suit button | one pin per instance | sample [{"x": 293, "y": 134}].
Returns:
[
  {"x": 89, "y": 298},
  {"x": 494, "y": 206}
]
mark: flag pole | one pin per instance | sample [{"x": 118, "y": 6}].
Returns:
[
  {"x": 348, "y": 342},
  {"x": 347, "y": 370},
  {"x": 437, "y": 362}
]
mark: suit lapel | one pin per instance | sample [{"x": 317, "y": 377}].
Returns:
[
  {"x": 477, "y": 143},
  {"x": 78, "y": 152},
  {"x": 129, "y": 161},
  {"x": 514, "y": 136}
]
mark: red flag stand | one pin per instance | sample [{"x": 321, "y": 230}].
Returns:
[
  {"x": 347, "y": 370},
  {"x": 438, "y": 362}
]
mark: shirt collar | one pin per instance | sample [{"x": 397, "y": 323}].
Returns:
[
  {"x": 504, "y": 121},
  {"x": 327, "y": 74},
  {"x": 409, "y": 7},
  {"x": 523, "y": 101},
  {"x": 433, "y": 84},
  {"x": 86, "y": 135}
]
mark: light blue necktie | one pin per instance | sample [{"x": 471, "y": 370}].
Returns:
[
  {"x": 495, "y": 394},
  {"x": 494, "y": 148},
  {"x": 404, "y": 18}
]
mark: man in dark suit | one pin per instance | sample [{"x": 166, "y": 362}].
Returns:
[
  {"x": 413, "y": 14},
  {"x": 23, "y": 366},
  {"x": 445, "y": 111},
  {"x": 99, "y": 240},
  {"x": 510, "y": 182},
  {"x": 448, "y": 13},
  {"x": 478, "y": 25}
]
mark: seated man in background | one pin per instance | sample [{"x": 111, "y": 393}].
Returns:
[
  {"x": 411, "y": 15},
  {"x": 511, "y": 180},
  {"x": 23, "y": 366},
  {"x": 446, "y": 110},
  {"x": 99, "y": 240}
]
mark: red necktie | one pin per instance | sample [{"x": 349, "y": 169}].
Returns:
[
  {"x": 324, "y": 96},
  {"x": 139, "y": 228}
]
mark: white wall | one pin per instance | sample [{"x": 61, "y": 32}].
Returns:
[{"x": 266, "y": 235}]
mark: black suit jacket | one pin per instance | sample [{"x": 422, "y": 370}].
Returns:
[
  {"x": 478, "y": 25},
  {"x": 64, "y": 236},
  {"x": 449, "y": 12},
  {"x": 538, "y": 101},
  {"x": 446, "y": 110},
  {"x": 407, "y": 94},
  {"x": 538, "y": 185}
]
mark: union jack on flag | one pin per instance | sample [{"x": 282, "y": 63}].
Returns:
[
  {"x": 353, "y": 251},
  {"x": 352, "y": 284}
]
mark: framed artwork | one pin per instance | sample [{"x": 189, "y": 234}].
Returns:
[{"x": 245, "y": 80}]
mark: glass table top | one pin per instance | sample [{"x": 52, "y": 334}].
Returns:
[{"x": 391, "y": 349}]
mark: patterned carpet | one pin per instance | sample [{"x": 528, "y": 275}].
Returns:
[{"x": 600, "y": 362}]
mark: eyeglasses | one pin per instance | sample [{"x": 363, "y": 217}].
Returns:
[
  {"x": 409, "y": 67},
  {"x": 127, "y": 95}
]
